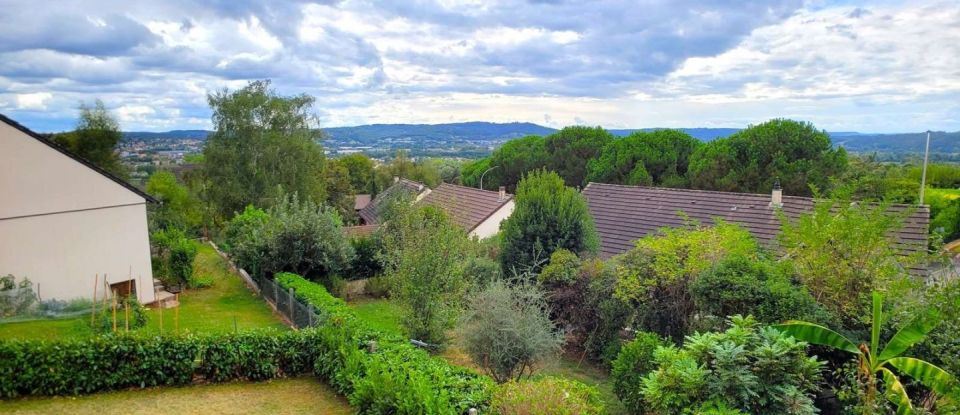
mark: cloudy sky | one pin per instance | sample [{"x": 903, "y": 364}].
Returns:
[{"x": 885, "y": 66}]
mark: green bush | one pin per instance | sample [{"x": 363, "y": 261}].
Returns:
[
  {"x": 547, "y": 396},
  {"x": 631, "y": 366},
  {"x": 200, "y": 281},
  {"x": 176, "y": 253},
  {"x": 15, "y": 297},
  {"x": 365, "y": 263},
  {"x": 377, "y": 287},
  {"x": 755, "y": 369},
  {"x": 381, "y": 373},
  {"x": 563, "y": 269},
  {"x": 136, "y": 318}
]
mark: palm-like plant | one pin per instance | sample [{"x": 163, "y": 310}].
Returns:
[{"x": 873, "y": 364}]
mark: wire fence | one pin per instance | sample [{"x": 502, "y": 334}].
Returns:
[{"x": 298, "y": 314}]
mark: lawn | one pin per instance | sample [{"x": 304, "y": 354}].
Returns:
[
  {"x": 385, "y": 315},
  {"x": 228, "y": 304},
  {"x": 284, "y": 396}
]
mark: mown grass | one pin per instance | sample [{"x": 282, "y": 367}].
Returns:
[
  {"x": 223, "y": 307},
  {"x": 385, "y": 315},
  {"x": 283, "y": 396}
]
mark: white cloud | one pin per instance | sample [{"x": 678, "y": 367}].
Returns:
[{"x": 34, "y": 101}]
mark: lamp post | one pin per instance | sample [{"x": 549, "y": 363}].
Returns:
[
  {"x": 923, "y": 176},
  {"x": 484, "y": 174}
]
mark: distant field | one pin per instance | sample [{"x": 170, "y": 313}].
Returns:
[
  {"x": 227, "y": 305},
  {"x": 284, "y": 396}
]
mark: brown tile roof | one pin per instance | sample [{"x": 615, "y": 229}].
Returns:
[
  {"x": 359, "y": 230},
  {"x": 623, "y": 214},
  {"x": 360, "y": 201},
  {"x": 466, "y": 206},
  {"x": 370, "y": 213}
]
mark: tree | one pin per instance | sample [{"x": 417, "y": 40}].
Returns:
[
  {"x": 748, "y": 368},
  {"x": 512, "y": 161},
  {"x": 548, "y": 216},
  {"x": 305, "y": 238},
  {"x": 424, "y": 257},
  {"x": 263, "y": 145},
  {"x": 571, "y": 148},
  {"x": 404, "y": 167},
  {"x": 645, "y": 158},
  {"x": 471, "y": 171},
  {"x": 340, "y": 194},
  {"x": 177, "y": 208},
  {"x": 751, "y": 160},
  {"x": 874, "y": 363},
  {"x": 95, "y": 139},
  {"x": 841, "y": 251},
  {"x": 360, "y": 169},
  {"x": 656, "y": 276},
  {"x": 506, "y": 330}
]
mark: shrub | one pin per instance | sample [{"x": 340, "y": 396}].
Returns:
[
  {"x": 176, "y": 253},
  {"x": 365, "y": 263},
  {"x": 15, "y": 297},
  {"x": 377, "y": 287},
  {"x": 135, "y": 319},
  {"x": 393, "y": 377},
  {"x": 548, "y": 216},
  {"x": 305, "y": 238},
  {"x": 200, "y": 281},
  {"x": 507, "y": 330},
  {"x": 547, "y": 396},
  {"x": 751, "y": 368},
  {"x": 244, "y": 236},
  {"x": 631, "y": 366},
  {"x": 563, "y": 269}
]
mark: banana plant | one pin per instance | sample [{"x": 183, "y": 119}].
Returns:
[{"x": 874, "y": 363}]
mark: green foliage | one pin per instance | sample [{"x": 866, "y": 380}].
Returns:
[
  {"x": 402, "y": 166},
  {"x": 507, "y": 331},
  {"x": 134, "y": 319},
  {"x": 842, "y": 251},
  {"x": 656, "y": 276},
  {"x": 548, "y": 216},
  {"x": 243, "y": 237},
  {"x": 471, "y": 171},
  {"x": 754, "y": 369},
  {"x": 360, "y": 170},
  {"x": 263, "y": 145},
  {"x": 15, "y": 297},
  {"x": 658, "y": 158},
  {"x": 378, "y": 287},
  {"x": 95, "y": 139},
  {"x": 175, "y": 254},
  {"x": 512, "y": 160},
  {"x": 751, "y": 160},
  {"x": 570, "y": 149},
  {"x": 563, "y": 269},
  {"x": 381, "y": 373},
  {"x": 177, "y": 208},
  {"x": 739, "y": 285},
  {"x": 122, "y": 361},
  {"x": 874, "y": 363},
  {"x": 365, "y": 263},
  {"x": 547, "y": 396},
  {"x": 631, "y": 366},
  {"x": 340, "y": 194}
]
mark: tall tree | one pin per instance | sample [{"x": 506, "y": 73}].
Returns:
[
  {"x": 548, "y": 216},
  {"x": 512, "y": 160},
  {"x": 95, "y": 138},
  {"x": 339, "y": 190},
  {"x": 263, "y": 144},
  {"x": 571, "y": 148},
  {"x": 177, "y": 208},
  {"x": 645, "y": 158},
  {"x": 360, "y": 167},
  {"x": 751, "y": 160}
]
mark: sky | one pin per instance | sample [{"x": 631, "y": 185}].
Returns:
[{"x": 885, "y": 66}]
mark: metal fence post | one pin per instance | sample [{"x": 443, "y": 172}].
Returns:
[
  {"x": 290, "y": 299},
  {"x": 276, "y": 295}
]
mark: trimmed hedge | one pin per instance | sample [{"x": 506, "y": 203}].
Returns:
[
  {"x": 395, "y": 378},
  {"x": 110, "y": 362}
]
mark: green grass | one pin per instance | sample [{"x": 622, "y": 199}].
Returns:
[
  {"x": 379, "y": 313},
  {"x": 207, "y": 310},
  {"x": 284, "y": 396}
]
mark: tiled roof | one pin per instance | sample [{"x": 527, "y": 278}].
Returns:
[
  {"x": 370, "y": 213},
  {"x": 360, "y": 201},
  {"x": 623, "y": 214},
  {"x": 466, "y": 206},
  {"x": 359, "y": 230}
]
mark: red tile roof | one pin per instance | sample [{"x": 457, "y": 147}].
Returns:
[
  {"x": 466, "y": 206},
  {"x": 623, "y": 214},
  {"x": 361, "y": 201},
  {"x": 370, "y": 213},
  {"x": 360, "y": 230}
]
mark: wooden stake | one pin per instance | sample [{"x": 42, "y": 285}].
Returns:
[
  {"x": 93, "y": 308},
  {"x": 156, "y": 299},
  {"x": 176, "y": 316},
  {"x": 126, "y": 317},
  {"x": 114, "y": 311},
  {"x": 139, "y": 288}
]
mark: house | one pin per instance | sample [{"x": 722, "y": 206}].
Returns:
[
  {"x": 360, "y": 201},
  {"x": 478, "y": 211},
  {"x": 370, "y": 214},
  {"x": 622, "y": 214},
  {"x": 68, "y": 225}
]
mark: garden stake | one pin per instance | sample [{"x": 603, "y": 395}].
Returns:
[
  {"x": 156, "y": 298},
  {"x": 93, "y": 307},
  {"x": 139, "y": 286},
  {"x": 114, "y": 311},
  {"x": 126, "y": 318},
  {"x": 176, "y": 316}
]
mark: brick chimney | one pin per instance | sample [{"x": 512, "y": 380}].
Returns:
[
  {"x": 776, "y": 198},
  {"x": 503, "y": 193}
]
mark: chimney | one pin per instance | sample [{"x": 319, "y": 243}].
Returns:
[
  {"x": 776, "y": 198},
  {"x": 503, "y": 193},
  {"x": 396, "y": 179}
]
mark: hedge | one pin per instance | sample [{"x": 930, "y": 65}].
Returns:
[
  {"x": 120, "y": 361},
  {"x": 394, "y": 378}
]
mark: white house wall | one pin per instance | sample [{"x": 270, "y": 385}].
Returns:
[
  {"x": 62, "y": 223},
  {"x": 491, "y": 226}
]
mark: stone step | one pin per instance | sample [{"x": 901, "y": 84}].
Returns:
[{"x": 166, "y": 299}]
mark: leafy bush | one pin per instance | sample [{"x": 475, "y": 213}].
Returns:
[
  {"x": 380, "y": 373},
  {"x": 506, "y": 330},
  {"x": 563, "y": 269},
  {"x": 15, "y": 297},
  {"x": 200, "y": 281},
  {"x": 243, "y": 237},
  {"x": 377, "y": 287},
  {"x": 176, "y": 253},
  {"x": 754, "y": 369},
  {"x": 365, "y": 263},
  {"x": 547, "y": 396},
  {"x": 134, "y": 319},
  {"x": 631, "y": 366}
]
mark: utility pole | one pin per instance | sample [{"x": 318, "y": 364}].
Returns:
[
  {"x": 923, "y": 176},
  {"x": 484, "y": 174}
]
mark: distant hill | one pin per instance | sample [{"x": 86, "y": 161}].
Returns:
[{"x": 485, "y": 132}]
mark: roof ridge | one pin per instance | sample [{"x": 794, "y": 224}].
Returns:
[{"x": 9, "y": 121}]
